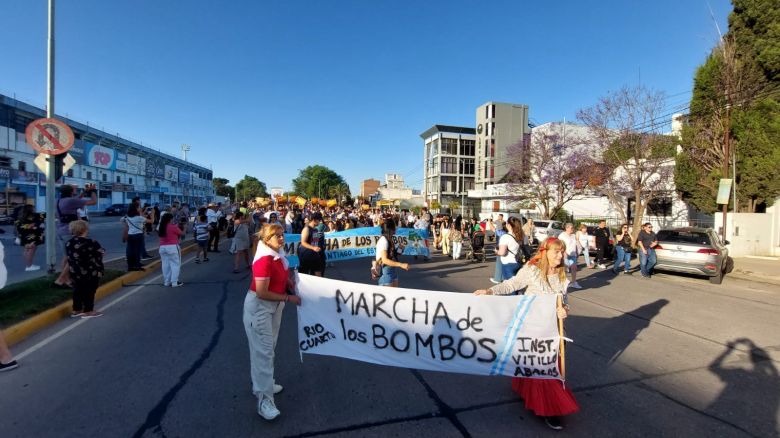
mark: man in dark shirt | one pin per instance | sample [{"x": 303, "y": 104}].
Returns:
[
  {"x": 646, "y": 241},
  {"x": 602, "y": 241}
]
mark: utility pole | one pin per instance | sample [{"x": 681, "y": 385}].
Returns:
[
  {"x": 51, "y": 230},
  {"x": 726, "y": 155}
]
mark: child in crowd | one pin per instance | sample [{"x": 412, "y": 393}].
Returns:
[
  {"x": 201, "y": 230},
  {"x": 85, "y": 262}
]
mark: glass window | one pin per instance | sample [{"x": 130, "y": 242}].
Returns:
[
  {"x": 449, "y": 165},
  {"x": 449, "y": 146},
  {"x": 466, "y": 166},
  {"x": 660, "y": 207},
  {"x": 118, "y": 179},
  {"x": 89, "y": 174},
  {"x": 467, "y": 147}
]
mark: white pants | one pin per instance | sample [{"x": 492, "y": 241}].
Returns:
[
  {"x": 456, "y": 247},
  {"x": 261, "y": 321},
  {"x": 170, "y": 256}
]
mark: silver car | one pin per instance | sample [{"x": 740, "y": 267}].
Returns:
[
  {"x": 697, "y": 251},
  {"x": 547, "y": 228}
]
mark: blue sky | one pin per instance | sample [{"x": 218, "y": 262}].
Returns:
[{"x": 268, "y": 88}]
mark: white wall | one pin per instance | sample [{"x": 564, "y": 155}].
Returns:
[{"x": 756, "y": 234}]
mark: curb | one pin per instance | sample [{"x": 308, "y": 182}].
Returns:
[
  {"x": 24, "y": 329},
  {"x": 740, "y": 275}
]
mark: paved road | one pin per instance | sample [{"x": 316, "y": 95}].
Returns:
[
  {"x": 107, "y": 231},
  {"x": 650, "y": 358}
]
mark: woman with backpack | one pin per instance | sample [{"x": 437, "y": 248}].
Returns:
[
  {"x": 386, "y": 262},
  {"x": 510, "y": 247}
]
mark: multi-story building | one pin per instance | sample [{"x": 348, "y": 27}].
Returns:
[
  {"x": 121, "y": 169},
  {"x": 499, "y": 126},
  {"x": 448, "y": 172},
  {"x": 368, "y": 187}
]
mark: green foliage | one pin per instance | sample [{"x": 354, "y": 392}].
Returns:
[
  {"x": 316, "y": 181},
  {"x": 757, "y": 134},
  {"x": 562, "y": 215},
  {"x": 435, "y": 205},
  {"x": 754, "y": 116},
  {"x": 221, "y": 187},
  {"x": 756, "y": 26},
  {"x": 249, "y": 188}
]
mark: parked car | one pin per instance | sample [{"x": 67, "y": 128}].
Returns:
[
  {"x": 609, "y": 250},
  {"x": 116, "y": 210},
  {"x": 697, "y": 251},
  {"x": 547, "y": 228}
]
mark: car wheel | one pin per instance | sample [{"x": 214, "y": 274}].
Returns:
[
  {"x": 718, "y": 279},
  {"x": 729, "y": 265}
]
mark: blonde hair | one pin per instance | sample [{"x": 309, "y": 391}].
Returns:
[
  {"x": 267, "y": 231},
  {"x": 78, "y": 227},
  {"x": 540, "y": 259}
]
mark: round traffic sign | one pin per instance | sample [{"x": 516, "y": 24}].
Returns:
[{"x": 49, "y": 136}]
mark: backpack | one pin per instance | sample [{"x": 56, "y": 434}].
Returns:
[{"x": 520, "y": 256}]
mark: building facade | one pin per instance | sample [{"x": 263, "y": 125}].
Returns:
[
  {"x": 120, "y": 168},
  {"x": 368, "y": 187},
  {"x": 499, "y": 126},
  {"x": 449, "y": 167}
]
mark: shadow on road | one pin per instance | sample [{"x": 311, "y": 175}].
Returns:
[{"x": 760, "y": 376}]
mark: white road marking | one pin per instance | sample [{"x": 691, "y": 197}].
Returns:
[{"x": 67, "y": 329}]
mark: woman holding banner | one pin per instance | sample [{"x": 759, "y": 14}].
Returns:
[
  {"x": 545, "y": 273},
  {"x": 263, "y": 307},
  {"x": 387, "y": 256}
]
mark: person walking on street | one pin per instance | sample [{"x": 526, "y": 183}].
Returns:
[
  {"x": 387, "y": 256},
  {"x": 7, "y": 362},
  {"x": 312, "y": 247},
  {"x": 456, "y": 239},
  {"x": 601, "y": 234},
  {"x": 583, "y": 239},
  {"x": 242, "y": 241},
  {"x": 213, "y": 215},
  {"x": 572, "y": 250},
  {"x": 498, "y": 272},
  {"x": 67, "y": 212},
  {"x": 445, "y": 235},
  {"x": 133, "y": 235},
  {"x": 544, "y": 274},
  {"x": 170, "y": 253},
  {"x": 646, "y": 242},
  {"x": 202, "y": 229},
  {"x": 29, "y": 228},
  {"x": 510, "y": 247},
  {"x": 85, "y": 261},
  {"x": 263, "y": 308},
  {"x": 623, "y": 244}
]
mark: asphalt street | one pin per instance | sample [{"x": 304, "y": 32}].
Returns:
[{"x": 649, "y": 358}]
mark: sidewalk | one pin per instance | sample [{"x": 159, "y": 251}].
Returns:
[{"x": 763, "y": 269}]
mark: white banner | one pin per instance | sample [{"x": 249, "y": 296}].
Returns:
[{"x": 514, "y": 335}]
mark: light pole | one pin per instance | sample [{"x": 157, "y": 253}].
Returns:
[
  {"x": 51, "y": 236},
  {"x": 184, "y": 149}
]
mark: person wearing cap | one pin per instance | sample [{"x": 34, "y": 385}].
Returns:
[{"x": 312, "y": 247}]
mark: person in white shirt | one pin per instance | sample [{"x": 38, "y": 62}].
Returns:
[
  {"x": 212, "y": 217},
  {"x": 572, "y": 250},
  {"x": 509, "y": 246}
]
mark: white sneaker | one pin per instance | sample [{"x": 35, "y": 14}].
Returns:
[
  {"x": 576, "y": 285},
  {"x": 278, "y": 388},
  {"x": 32, "y": 268},
  {"x": 266, "y": 408},
  {"x": 177, "y": 284},
  {"x": 602, "y": 266}
]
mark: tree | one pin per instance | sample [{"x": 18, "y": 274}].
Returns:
[
  {"x": 556, "y": 169},
  {"x": 315, "y": 181},
  {"x": 734, "y": 113},
  {"x": 636, "y": 160},
  {"x": 340, "y": 192},
  {"x": 249, "y": 188},
  {"x": 222, "y": 188}
]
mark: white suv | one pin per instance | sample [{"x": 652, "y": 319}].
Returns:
[{"x": 547, "y": 228}]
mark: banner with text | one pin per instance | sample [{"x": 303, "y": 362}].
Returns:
[
  {"x": 513, "y": 335},
  {"x": 360, "y": 242}
]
